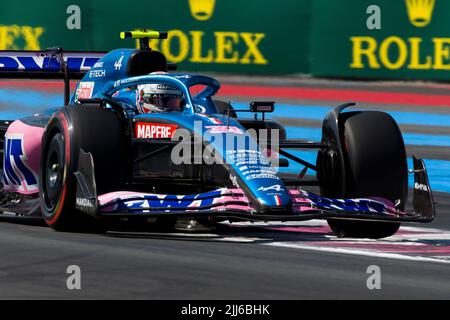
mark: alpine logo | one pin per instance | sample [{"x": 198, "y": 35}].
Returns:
[
  {"x": 148, "y": 130},
  {"x": 275, "y": 187},
  {"x": 16, "y": 173}
]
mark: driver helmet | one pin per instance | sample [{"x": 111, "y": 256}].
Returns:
[{"x": 158, "y": 97}]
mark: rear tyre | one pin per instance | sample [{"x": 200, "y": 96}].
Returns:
[
  {"x": 94, "y": 130},
  {"x": 375, "y": 165}
]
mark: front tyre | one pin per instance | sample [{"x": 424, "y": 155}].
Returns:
[
  {"x": 375, "y": 165},
  {"x": 57, "y": 183},
  {"x": 94, "y": 130}
]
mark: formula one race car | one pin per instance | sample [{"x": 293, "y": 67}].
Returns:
[{"x": 135, "y": 143}]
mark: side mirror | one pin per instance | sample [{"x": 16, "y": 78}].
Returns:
[{"x": 262, "y": 106}]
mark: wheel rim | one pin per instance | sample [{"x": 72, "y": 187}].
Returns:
[{"x": 53, "y": 176}]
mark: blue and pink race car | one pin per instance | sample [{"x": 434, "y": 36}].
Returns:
[{"x": 138, "y": 142}]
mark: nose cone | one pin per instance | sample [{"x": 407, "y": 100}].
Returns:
[{"x": 273, "y": 197}]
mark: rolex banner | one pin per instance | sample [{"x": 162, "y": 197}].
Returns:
[
  {"x": 251, "y": 36},
  {"x": 384, "y": 39},
  {"x": 412, "y": 40}
]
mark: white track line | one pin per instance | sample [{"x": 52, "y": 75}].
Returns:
[
  {"x": 419, "y": 233},
  {"x": 356, "y": 252}
]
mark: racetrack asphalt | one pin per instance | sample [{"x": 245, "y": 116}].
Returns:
[{"x": 241, "y": 261}]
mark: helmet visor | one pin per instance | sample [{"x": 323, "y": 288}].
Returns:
[{"x": 163, "y": 101}]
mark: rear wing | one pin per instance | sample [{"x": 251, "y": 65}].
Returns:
[
  {"x": 53, "y": 63},
  {"x": 46, "y": 64}
]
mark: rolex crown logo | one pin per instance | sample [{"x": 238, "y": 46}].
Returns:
[
  {"x": 202, "y": 9},
  {"x": 420, "y": 11}
]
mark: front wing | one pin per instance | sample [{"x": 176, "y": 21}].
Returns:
[{"x": 233, "y": 203}]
